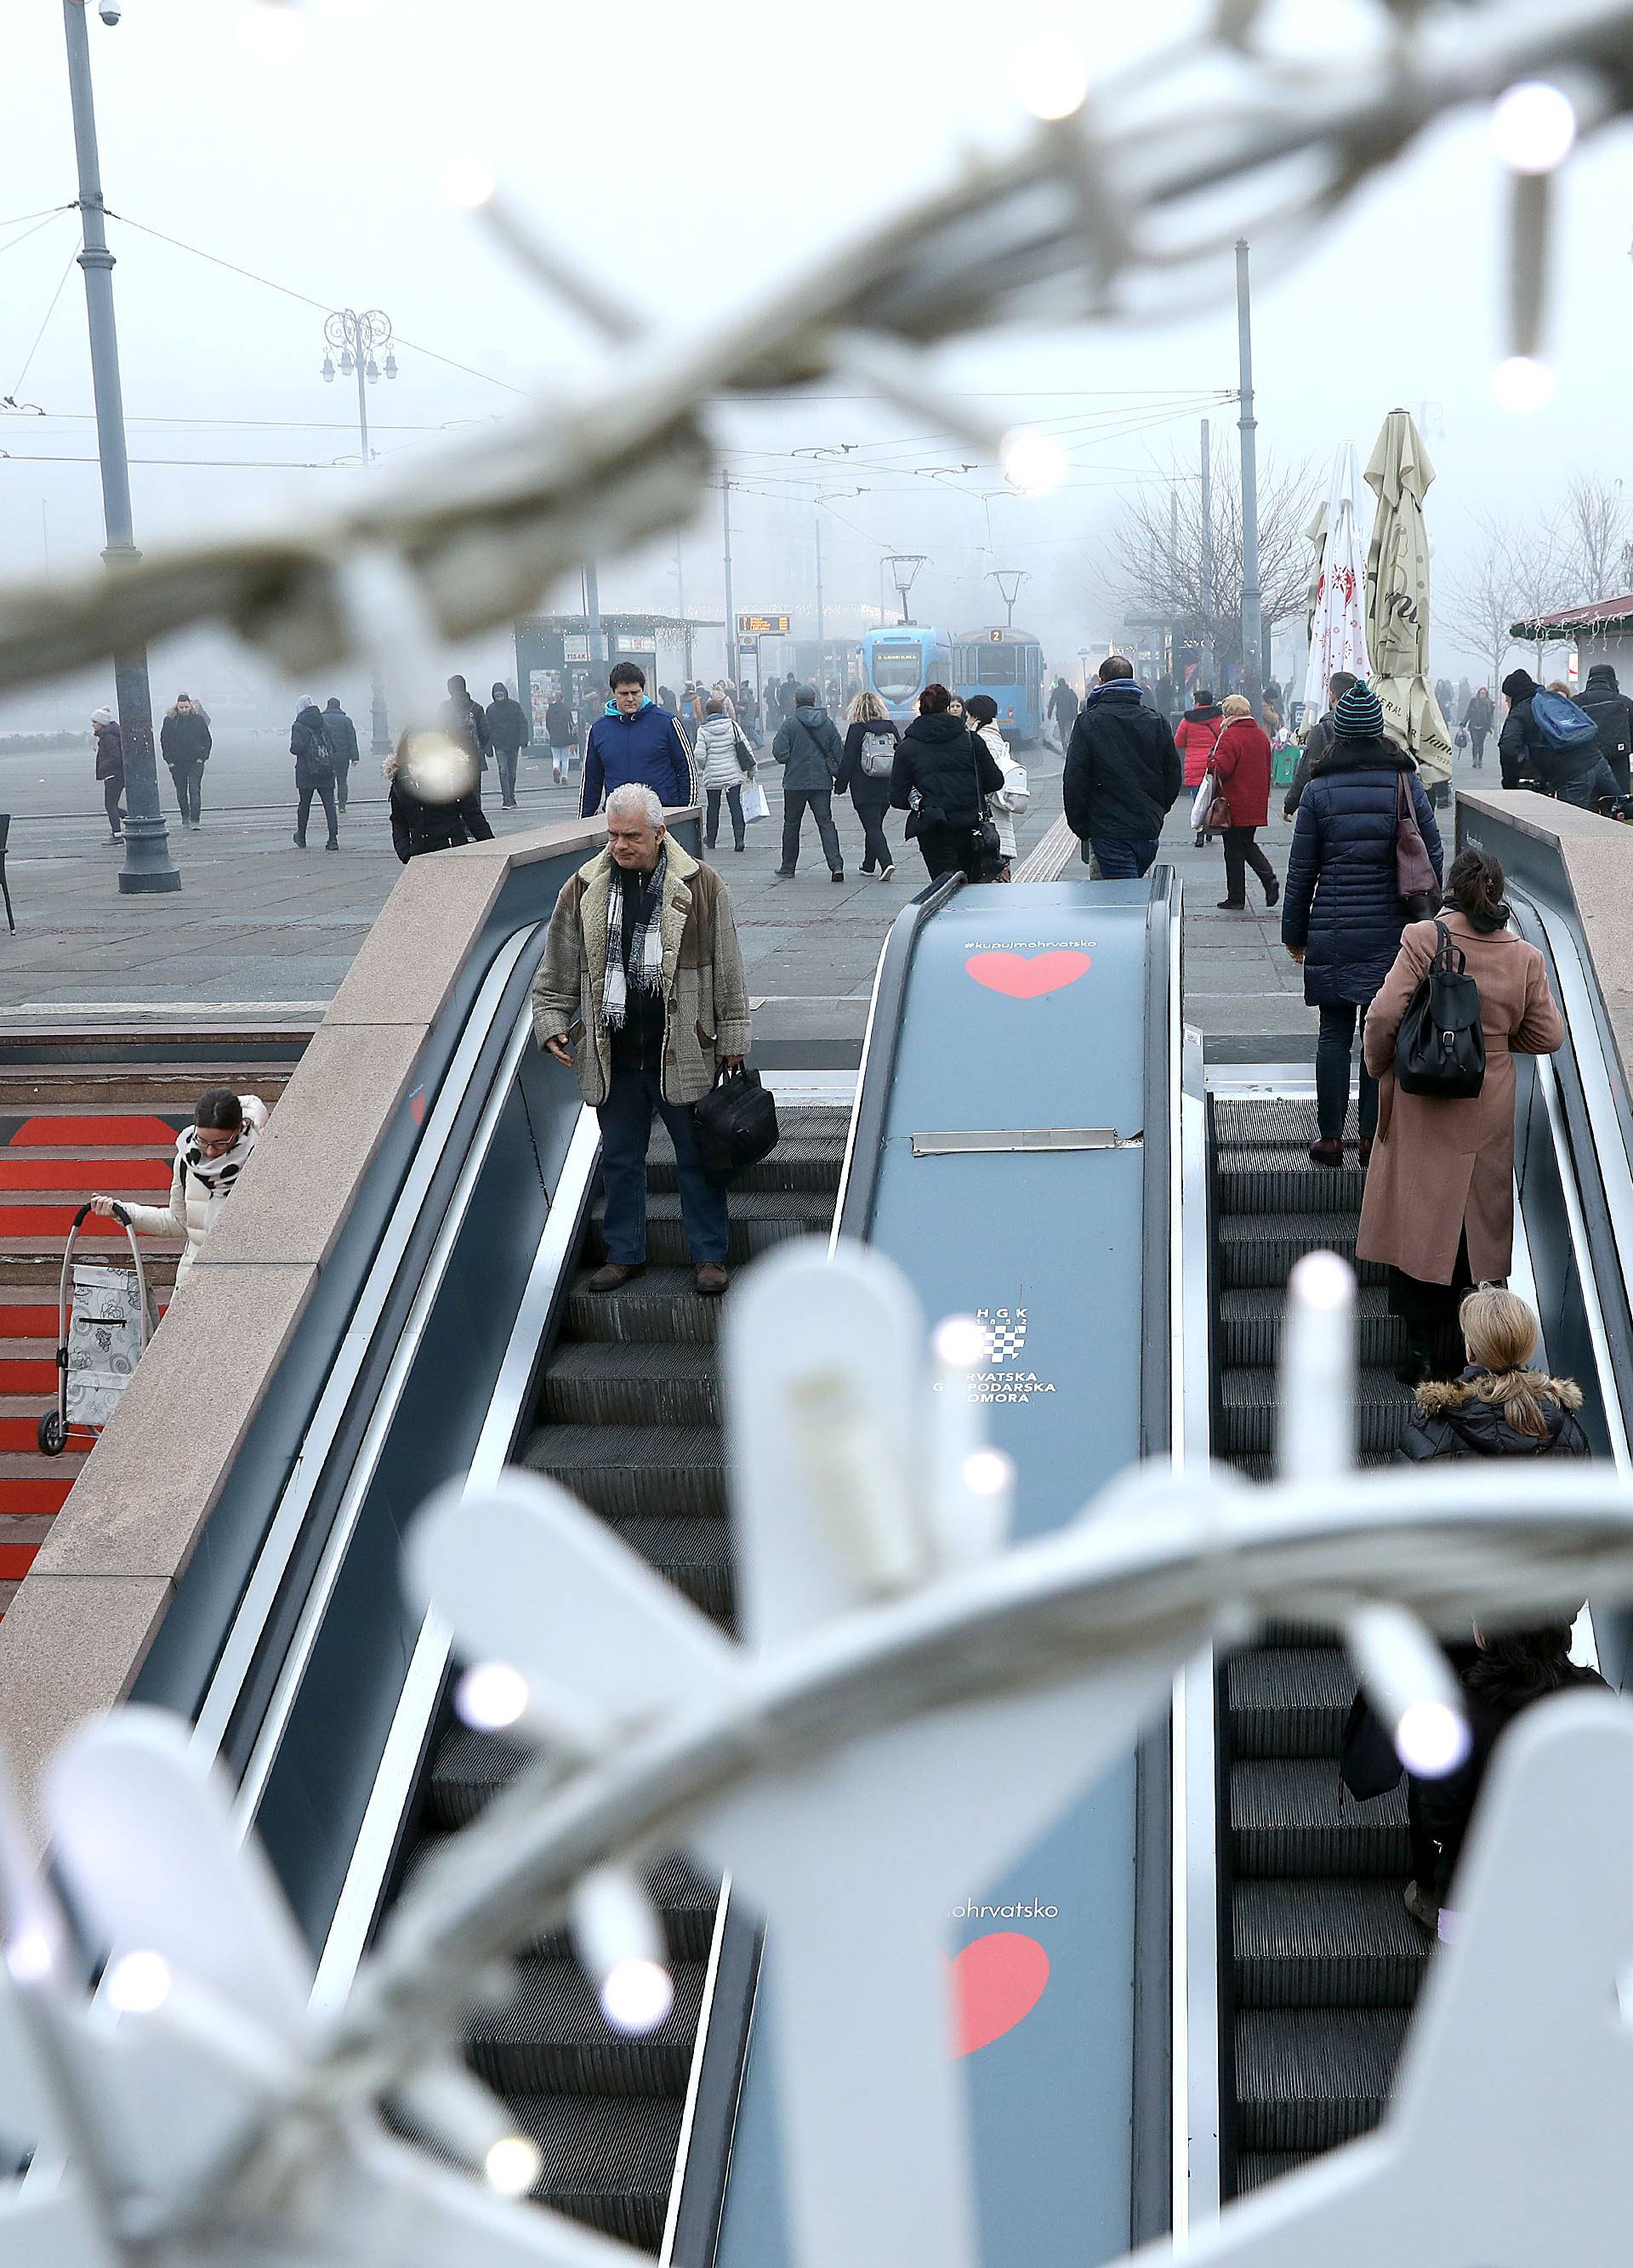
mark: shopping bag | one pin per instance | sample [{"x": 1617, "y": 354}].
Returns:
[
  {"x": 754, "y": 803},
  {"x": 1204, "y": 798},
  {"x": 106, "y": 1335}
]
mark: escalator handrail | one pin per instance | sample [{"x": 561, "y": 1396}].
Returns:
[
  {"x": 319, "y": 1482},
  {"x": 858, "y": 1177}
]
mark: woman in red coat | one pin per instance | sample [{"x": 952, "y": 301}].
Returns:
[{"x": 1242, "y": 771}]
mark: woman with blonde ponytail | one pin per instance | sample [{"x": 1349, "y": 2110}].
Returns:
[{"x": 1499, "y": 1407}]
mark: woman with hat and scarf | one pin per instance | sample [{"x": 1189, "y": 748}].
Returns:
[
  {"x": 110, "y": 768},
  {"x": 210, "y": 1154},
  {"x": 1342, "y": 912}
]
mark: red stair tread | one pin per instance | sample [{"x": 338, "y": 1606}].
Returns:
[
  {"x": 28, "y": 1377},
  {"x": 87, "y": 1173},
  {"x": 45, "y": 1494},
  {"x": 29, "y": 1321},
  {"x": 21, "y": 1434},
  {"x": 105, "y": 1132},
  {"x": 52, "y": 1220},
  {"x": 16, "y": 1559}
]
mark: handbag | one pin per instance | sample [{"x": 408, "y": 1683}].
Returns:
[
  {"x": 1218, "y": 813},
  {"x": 736, "y": 1124},
  {"x": 1204, "y": 799},
  {"x": 1415, "y": 872},
  {"x": 1440, "y": 1048},
  {"x": 753, "y": 799}
]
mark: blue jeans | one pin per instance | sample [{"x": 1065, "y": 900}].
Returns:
[
  {"x": 1333, "y": 1048},
  {"x": 625, "y": 1129},
  {"x": 1121, "y": 857},
  {"x": 505, "y": 759}
]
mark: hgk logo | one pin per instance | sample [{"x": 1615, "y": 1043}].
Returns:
[{"x": 1006, "y": 1331}]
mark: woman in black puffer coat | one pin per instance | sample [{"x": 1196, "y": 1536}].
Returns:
[
  {"x": 1341, "y": 911},
  {"x": 950, "y": 771},
  {"x": 1499, "y": 1408}
]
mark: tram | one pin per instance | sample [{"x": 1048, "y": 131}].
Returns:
[
  {"x": 898, "y": 662},
  {"x": 1008, "y": 665}
]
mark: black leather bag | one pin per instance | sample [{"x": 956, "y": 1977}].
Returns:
[
  {"x": 1440, "y": 1048},
  {"x": 736, "y": 1124}
]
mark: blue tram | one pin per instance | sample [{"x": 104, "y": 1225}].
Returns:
[
  {"x": 1008, "y": 665},
  {"x": 898, "y": 662}
]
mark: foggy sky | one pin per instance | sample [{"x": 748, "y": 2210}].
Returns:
[{"x": 692, "y": 156}]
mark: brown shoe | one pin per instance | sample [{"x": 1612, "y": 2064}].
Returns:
[
  {"x": 1327, "y": 1153},
  {"x": 711, "y": 1280},
  {"x": 612, "y": 1277}
]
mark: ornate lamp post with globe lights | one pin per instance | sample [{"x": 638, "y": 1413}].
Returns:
[{"x": 363, "y": 340}]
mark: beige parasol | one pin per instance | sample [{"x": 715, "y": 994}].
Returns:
[{"x": 1397, "y": 596}]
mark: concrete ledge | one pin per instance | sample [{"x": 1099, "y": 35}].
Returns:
[
  {"x": 73, "y": 1646},
  {"x": 1597, "y": 855}
]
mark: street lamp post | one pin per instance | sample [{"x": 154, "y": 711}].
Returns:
[
  {"x": 148, "y": 866},
  {"x": 360, "y": 339}
]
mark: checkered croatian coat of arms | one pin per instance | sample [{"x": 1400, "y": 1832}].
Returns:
[{"x": 1006, "y": 1331}]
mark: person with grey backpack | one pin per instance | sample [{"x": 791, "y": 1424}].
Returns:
[
  {"x": 810, "y": 753},
  {"x": 865, "y": 769}
]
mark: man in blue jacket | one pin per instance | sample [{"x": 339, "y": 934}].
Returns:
[{"x": 636, "y": 742}]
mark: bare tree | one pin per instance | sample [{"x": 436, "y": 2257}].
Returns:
[
  {"x": 1157, "y": 552},
  {"x": 1521, "y": 571},
  {"x": 1593, "y": 528}
]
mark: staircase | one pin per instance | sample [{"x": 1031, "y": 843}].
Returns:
[
  {"x": 629, "y": 1419},
  {"x": 82, "y": 1112},
  {"x": 1326, "y": 1960}
]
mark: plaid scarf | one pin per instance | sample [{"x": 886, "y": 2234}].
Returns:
[{"x": 645, "y": 971}]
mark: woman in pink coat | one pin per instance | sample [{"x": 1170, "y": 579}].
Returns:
[{"x": 1439, "y": 1204}]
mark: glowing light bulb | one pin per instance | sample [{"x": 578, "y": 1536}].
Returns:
[
  {"x": 469, "y": 180},
  {"x": 1431, "y": 1739},
  {"x": 1050, "y": 78},
  {"x": 1035, "y": 463},
  {"x": 489, "y": 1696},
  {"x": 139, "y": 1983},
  {"x": 637, "y": 1995},
  {"x": 512, "y": 2166},
  {"x": 1321, "y": 1279},
  {"x": 1533, "y": 127},
  {"x": 961, "y": 1343},
  {"x": 988, "y": 1472},
  {"x": 1523, "y": 383}
]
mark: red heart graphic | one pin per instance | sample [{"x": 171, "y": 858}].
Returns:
[
  {"x": 996, "y": 1981},
  {"x": 1025, "y": 976}
]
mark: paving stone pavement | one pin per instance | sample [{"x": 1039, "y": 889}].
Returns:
[{"x": 257, "y": 921}]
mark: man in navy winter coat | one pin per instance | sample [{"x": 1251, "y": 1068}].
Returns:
[{"x": 636, "y": 742}]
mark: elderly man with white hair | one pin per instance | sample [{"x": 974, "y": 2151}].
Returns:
[{"x": 642, "y": 969}]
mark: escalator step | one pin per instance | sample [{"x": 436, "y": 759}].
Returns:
[
  {"x": 1265, "y": 1122},
  {"x": 628, "y": 1472},
  {"x": 800, "y": 1160},
  {"x": 592, "y": 1385},
  {"x": 686, "y": 1901},
  {"x": 1278, "y": 1181},
  {"x": 1256, "y": 1251},
  {"x": 1325, "y": 1945},
  {"x": 467, "y": 1773},
  {"x": 1255, "y": 2168},
  {"x": 1289, "y": 1702},
  {"x": 660, "y": 1307},
  {"x": 553, "y": 2038},
  {"x": 1307, "y": 2079},
  {"x": 607, "y": 2160},
  {"x": 759, "y": 1222},
  {"x": 1248, "y": 1401},
  {"x": 1297, "y": 1819},
  {"x": 1247, "y": 1329},
  {"x": 695, "y": 1555}
]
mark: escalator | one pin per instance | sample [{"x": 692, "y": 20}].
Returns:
[
  {"x": 626, "y": 1414},
  {"x": 1325, "y": 1960},
  {"x": 1317, "y": 1963}
]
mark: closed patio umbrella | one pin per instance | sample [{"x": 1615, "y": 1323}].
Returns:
[
  {"x": 1337, "y": 623},
  {"x": 1396, "y": 597}
]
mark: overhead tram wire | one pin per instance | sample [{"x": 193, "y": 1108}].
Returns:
[{"x": 16, "y": 383}]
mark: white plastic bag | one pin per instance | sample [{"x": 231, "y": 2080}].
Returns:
[
  {"x": 754, "y": 803},
  {"x": 1016, "y": 795},
  {"x": 1204, "y": 799}
]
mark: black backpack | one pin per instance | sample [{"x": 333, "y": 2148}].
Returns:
[
  {"x": 1440, "y": 1048},
  {"x": 736, "y": 1124}
]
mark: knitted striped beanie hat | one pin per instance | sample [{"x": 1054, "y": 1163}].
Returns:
[{"x": 1359, "y": 715}]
